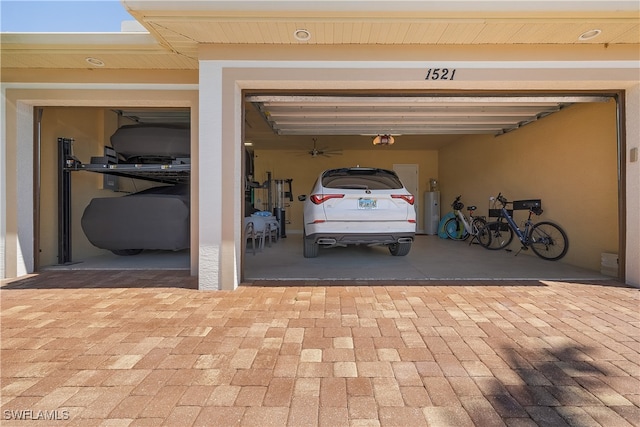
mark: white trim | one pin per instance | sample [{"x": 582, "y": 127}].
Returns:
[
  {"x": 3, "y": 183},
  {"x": 553, "y": 65},
  {"x": 25, "y": 256},
  {"x": 210, "y": 191}
]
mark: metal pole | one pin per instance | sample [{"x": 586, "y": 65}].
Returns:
[{"x": 64, "y": 201}]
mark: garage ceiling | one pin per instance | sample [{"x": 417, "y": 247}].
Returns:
[
  {"x": 349, "y": 121},
  {"x": 406, "y": 115}
]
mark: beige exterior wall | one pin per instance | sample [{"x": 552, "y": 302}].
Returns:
[{"x": 568, "y": 159}]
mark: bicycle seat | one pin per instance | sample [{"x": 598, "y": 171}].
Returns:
[
  {"x": 458, "y": 206},
  {"x": 472, "y": 208},
  {"x": 537, "y": 210}
]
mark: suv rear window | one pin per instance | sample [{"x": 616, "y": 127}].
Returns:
[{"x": 361, "y": 178}]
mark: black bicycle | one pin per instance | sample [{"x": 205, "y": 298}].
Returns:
[{"x": 547, "y": 239}]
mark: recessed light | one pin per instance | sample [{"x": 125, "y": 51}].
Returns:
[
  {"x": 302, "y": 35},
  {"x": 94, "y": 61},
  {"x": 588, "y": 35}
]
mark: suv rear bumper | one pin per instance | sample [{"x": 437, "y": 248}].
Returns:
[{"x": 334, "y": 239}]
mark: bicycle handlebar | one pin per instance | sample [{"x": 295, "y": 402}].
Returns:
[
  {"x": 457, "y": 205},
  {"x": 503, "y": 200}
]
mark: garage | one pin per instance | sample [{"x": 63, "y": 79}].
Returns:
[
  {"x": 112, "y": 183},
  {"x": 290, "y": 138},
  {"x": 485, "y": 111},
  {"x": 504, "y": 151}
]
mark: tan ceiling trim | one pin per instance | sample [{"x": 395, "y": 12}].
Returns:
[
  {"x": 429, "y": 54},
  {"x": 459, "y": 17}
]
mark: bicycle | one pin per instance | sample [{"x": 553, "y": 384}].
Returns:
[
  {"x": 460, "y": 227},
  {"x": 547, "y": 239}
]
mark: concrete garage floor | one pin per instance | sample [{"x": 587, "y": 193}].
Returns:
[
  {"x": 431, "y": 258},
  {"x": 147, "y": 260}
]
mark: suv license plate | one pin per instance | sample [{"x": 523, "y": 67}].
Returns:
[{"x": 367, "y": 203}]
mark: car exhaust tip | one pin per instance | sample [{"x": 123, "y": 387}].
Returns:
[{"x": 325, "y": 241}]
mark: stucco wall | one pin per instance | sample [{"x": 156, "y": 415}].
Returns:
[
  {"x": 568, "y": 159},
  {"x": 632, "y": 183}
]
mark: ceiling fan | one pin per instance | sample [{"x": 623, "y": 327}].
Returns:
[{"x": 315, "y": 151}]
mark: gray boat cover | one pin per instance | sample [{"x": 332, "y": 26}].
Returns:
[
  {"x": 152, "y": 140},
  {"x": 153, "y": 219}
]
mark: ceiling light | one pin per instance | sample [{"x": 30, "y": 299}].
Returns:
[
  {"x": 383, "y": 140},
  {"x": 94, "y": 61},
  {"x": 588, "y": 35},
  {"x": 302, "y": 35}
]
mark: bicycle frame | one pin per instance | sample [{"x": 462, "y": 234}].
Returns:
[
  {"x": 465, "y": 221},
  {"x": 522, "y": 235}
]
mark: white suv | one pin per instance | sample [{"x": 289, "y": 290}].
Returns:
[{"x": 358, "y": 206}]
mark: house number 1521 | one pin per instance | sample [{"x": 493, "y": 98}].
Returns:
[{"x": 440, "y": 74}]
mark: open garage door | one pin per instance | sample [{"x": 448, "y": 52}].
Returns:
[
  {"x": 527, "y": 145},
  {"x": 407, "y": 115},
  {"x": 123, "y": 197}
]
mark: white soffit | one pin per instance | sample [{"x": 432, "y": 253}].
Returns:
[{"x": 406, "y": 115}]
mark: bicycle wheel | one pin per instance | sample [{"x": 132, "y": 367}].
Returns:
[
  {"x": 496, "y": 235},
  {"x": 484, "y": 236},
  {"x": 548, "y": 241},
  {"x": 476, "y": 225},
  {"x": 455, "y": 229}
]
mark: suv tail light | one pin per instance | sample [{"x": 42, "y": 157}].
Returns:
[
  {"x": 409, "y": 198},
  {"x": 321, "y": 198}
]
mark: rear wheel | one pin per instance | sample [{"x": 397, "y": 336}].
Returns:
[
  {"x": 484, "y": 236},
  {"x": 477, "y": 224},
  {"x": 310, "y": 247},
  {"x": 548, "y": 241},
  {"x": 496, "y": 235},
  {"x": 400, "y": 249},
  {"x": 455, "y": 229}
]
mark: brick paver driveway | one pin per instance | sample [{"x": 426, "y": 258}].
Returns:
[{"x": 145, "y": 348}]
